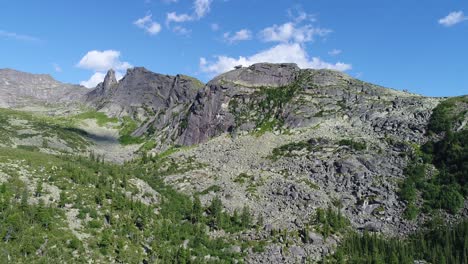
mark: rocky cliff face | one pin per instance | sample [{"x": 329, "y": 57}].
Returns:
[
  {"x": 142, "y": 93},
  {"x": 19, "y": 89},
  {"x": 279, "y": 97},
  {"x": 157, "y": 102}
]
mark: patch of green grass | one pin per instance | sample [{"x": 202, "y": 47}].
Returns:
[
  {"x": 101, "y": 118},
  {"x": 127, "y": 128},
  {"x": 44, "y": 126}
]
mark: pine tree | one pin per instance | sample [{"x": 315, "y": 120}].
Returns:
[{"x": 246, "y": 217}]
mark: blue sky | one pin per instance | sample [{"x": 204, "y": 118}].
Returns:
[{"x": 420, "y": 46}]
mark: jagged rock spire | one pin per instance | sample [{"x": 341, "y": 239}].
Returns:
[{"x": 110, "y": 79}]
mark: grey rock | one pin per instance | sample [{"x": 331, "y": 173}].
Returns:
[{"x": 20, "y": 89}]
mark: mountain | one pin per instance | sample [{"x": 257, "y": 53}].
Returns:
[
  {"x": 281, "y": 97},
  {"x": 23, "y": 89},
  {"x": 263, "y": 164}
]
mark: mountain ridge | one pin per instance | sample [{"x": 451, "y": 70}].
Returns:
[{"x": 263, "y": 164}]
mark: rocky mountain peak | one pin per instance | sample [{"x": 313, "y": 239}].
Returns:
[
  {"x": 110, "y": 79},
  {"x": 260, "y": 74}
]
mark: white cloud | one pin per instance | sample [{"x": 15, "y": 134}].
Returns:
[
  {"x": 100, "y": 62},
  {"x": 16, "y": 36},
  {"x": 94, "y": 80},
  {"x": 334, "y": 52},
  {"x": 202, "y": 7},
  {"x": 154, "y": 28},
  {"x": 289, "y": 32},
  {"x": 453, "y": 18},
  {"x": 174, "y": 17},
  {"x": 182, "y": 30},
  {"x": 148, "y": 25},
  {"x": 243, "y": 34},
  {"x": 298, "y": 15},
  {"x": 103, "y": 60},
  {"x": 281, "y": 53},
  {"x": 98, "y": 77}
]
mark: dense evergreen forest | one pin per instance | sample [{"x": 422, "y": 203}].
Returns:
[
  {"x": 446, "y": 187},
  {"x": 174, "y": 230}
]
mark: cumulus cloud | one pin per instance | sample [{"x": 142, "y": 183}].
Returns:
[
  {"x": 453, "y": 18},
  {"x": 281, "y": 53},
  {"x": 94, "y": 80},
  {"x": 334, "y": 52},
  {"x": 243, "y": 34},
  {"x": 290, "y": 32},
  {"x": 103, "y": 60},
  {"x": 100, "y": 62},
  {"x": 148, "y": 25}
]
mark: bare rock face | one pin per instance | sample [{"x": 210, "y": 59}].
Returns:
[
  {"x": 102, "y": 90},
  {"x": 142, "y": 93},
  {"x": 158, "y": 103},
  {"x": 260, "y": 74},
  {"x": 19, "y": 89},
  {"x": 281, "y": 96},
  {"x": 211, "y": 115}
]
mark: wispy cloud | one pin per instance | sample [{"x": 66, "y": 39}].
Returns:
[
  {"x": 298, "y": 15},
  {"x": 57, "y": 67},
  {"x": 178, "y": 18},
  {"x": 243, "y": 34},
  {"x": 182, "y": 30},
  {"x": 12, "y": 35},
  {"x": 200, "y": 9},
  {"x": 335, "y": 52},
  {"x": 453, "y": 18},
  {"x": 148, "y": 25}
]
